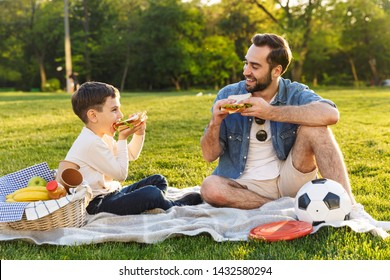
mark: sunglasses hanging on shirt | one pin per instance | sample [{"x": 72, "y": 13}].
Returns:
[{"x": 261, "y": 135}]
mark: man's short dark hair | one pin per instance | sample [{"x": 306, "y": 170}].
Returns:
[
  {"x": 280, "y": 51},
  {"x": 91, "y": 95}
]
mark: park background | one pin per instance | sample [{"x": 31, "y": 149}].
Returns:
[{"x": 183, "y": 44}]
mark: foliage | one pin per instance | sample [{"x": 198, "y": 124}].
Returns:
[
  {"x": 168, "y": 50},
  {"x": 366, "y": 33},
  {"x": 175, "y": 125},
  {"x": 52, "y": 85},
  {"x": 33, "y": 31},
  {"x": 217, "y": 62},
  {"x": 153, "y": 45}
]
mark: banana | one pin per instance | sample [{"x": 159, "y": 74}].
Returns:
[
  {"x": 33, "y": 195},
  {"x": 28, "y": 194},
  {"x": 29, "y": 189},
  {"x": 9, "y": 195}
]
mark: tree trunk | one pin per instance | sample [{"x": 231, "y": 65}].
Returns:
[
  {"x": 353, "y": 69},
  {"x": 125, "y": 70},
  {"x": 68, "y": 51},
  {"x": 42, "y": 73},
  {"x": 315, "y": 80},
  {"x": 176, "y": 82},
  {"x": 297, "y": 69},
  {"x": 374, "y": 70},
  {"x": 87, "y": 58}
]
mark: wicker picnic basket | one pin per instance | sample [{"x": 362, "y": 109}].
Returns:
[{"x": 71, "y": 215}]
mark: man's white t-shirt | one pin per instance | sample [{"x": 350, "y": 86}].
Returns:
[{"x": 262, "y": 162}]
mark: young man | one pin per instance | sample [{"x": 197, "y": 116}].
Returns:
[
  {"x": 104, "y": 162},
  {"x": 274, "y": 147}
]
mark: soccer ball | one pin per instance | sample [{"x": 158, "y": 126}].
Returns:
[{"x": 322, "y": 200}]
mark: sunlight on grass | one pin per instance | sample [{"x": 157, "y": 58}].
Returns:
[{"x": 38, "y": 127}]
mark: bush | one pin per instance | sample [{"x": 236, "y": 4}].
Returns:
[
  {"x": 52, "y": 85},
  {"x": 340, "y": 80}
]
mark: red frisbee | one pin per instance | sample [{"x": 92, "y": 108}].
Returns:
[{"x": 281, "y": 230}]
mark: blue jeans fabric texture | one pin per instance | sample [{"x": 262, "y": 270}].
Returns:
[
  {"x": 146, "y": 194},
  {"x": 235, "y": 129}
]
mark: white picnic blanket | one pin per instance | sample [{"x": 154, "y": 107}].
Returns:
[{"x": 222, "y": 224}]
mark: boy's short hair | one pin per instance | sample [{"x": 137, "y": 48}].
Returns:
[
  {"x": 280, "y": 50},
  {"x": 91, "y": 95}
]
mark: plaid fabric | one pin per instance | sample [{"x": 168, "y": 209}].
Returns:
[
  {"x": 9, "y": 183},
  {"x": 39, "y": 209}
]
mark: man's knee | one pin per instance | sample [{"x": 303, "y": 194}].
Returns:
[
  {"x": 309, "y": 141},
  {"x": 209, "y": 190},
  {"x": 314, "y": 133},
  {"x": 312, "y": 138}
]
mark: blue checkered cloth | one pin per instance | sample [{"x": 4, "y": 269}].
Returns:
[{"x": 10, "y": 212}]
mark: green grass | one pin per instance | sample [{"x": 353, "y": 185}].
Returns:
[{"x": 37, "y": 127}]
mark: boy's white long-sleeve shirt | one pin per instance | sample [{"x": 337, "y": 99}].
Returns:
[{"x": 104, "y": 162}]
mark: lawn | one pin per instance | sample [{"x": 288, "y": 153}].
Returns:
[{"x": 37, "y": 127}]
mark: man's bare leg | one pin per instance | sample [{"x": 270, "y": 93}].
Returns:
[
  {"x": 317, "y": 146},
  {"x": 223, "y": 192}
]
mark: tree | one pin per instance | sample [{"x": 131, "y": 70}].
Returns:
[
  {"x": 169, "y": 35},
  {"x": 88, "y": 20},
  {"x": 156, "y": 44},
  {"x": 11, "y": 55},
  {"x": 365, "y": 38},
  {"x": 217, "y": 61},
  {"x": 295, "y": 21},
  {"x": 36, "y": 27},
  {"x": 44, "y": 26},
  {"x": 323, "y": 46},
  {"x": 126, "y": 41},
  {"x": 238, "y": 24}
]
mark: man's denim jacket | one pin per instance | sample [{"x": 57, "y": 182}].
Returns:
[{"x": 235, "y": 129}]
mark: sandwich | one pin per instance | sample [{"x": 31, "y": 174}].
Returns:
[
  {"x": 133, "y": 121},
  {"x": 237, "y": 107}
]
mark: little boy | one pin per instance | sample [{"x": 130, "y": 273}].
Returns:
[{"x": 104, "y": 161}]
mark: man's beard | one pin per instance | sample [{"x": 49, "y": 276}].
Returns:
[{"x": 260, "y": 85}]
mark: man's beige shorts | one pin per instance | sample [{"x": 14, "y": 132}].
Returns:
[{"x": 287, "y": 183}]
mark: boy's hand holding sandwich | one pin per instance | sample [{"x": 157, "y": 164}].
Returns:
[{"x": 136, "y": 123}]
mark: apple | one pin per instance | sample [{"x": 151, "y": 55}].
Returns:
[{"x": 37, "y": 181}]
